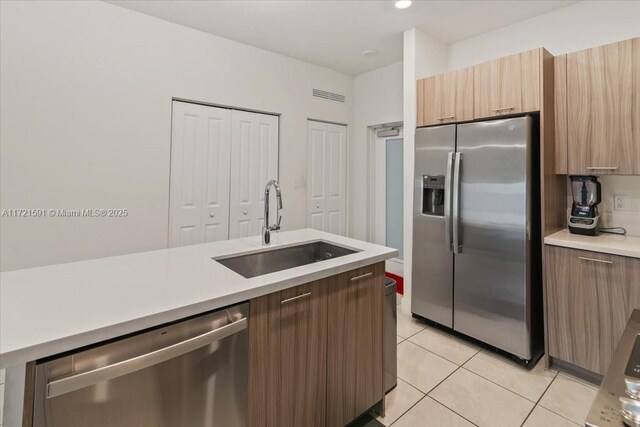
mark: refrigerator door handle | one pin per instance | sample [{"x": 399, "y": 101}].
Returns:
[
  {"x": 447, "y": 202},
  {"x": 457, "y": 247}
]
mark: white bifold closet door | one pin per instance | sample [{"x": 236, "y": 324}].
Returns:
[
  {"x": 199, "y": 183},
  {"x": 254, "y": 161},
  {"x": 221, "y": 159},
  {"x": 327, "y": 177}
]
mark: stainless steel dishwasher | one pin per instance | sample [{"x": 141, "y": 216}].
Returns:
[{"x": 190, "y": 373}]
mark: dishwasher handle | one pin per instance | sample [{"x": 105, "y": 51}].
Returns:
[{"x": 86, "y": 379}]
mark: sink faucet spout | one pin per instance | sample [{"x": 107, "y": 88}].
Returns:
[{"x": 267, "y": 229}]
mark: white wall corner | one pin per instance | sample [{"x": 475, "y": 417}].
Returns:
[{"x": 423, "y": 56}]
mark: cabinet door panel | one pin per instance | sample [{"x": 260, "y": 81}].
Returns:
[
  {"x": 287, "y": 357},
  {"x": 590, "y": 297},
  {"x": 560, "y": 103},
  {"x": 599, "y": 105},
  {"x": 497, "y": 87},
  {"x": 303, "y": 353},
  {"x": 264, "y": 361},
  {"x": 572, "y": 306},
  {"x": 635, "y": 118},
  {"x": 354, "y": 363},
  {"x": 530, "y": 80},
  {"x": 448, "y": 97},
  {"x": 464, "y": 94},
  {"x": 507, "y": 85},
  {"x": 420, "y": 100}
]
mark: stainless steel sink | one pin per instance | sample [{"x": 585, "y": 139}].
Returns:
[{"x": 257, "y": 264}]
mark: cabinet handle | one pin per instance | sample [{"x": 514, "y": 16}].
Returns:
[
  {"x": 306, "y": 294},
  {"x": 602, "y": 167},
  {"x": 362, "y": 276},
  {"x": 495, "y": 110},
  {"x": 595, "y": 260},
  {"x": 446, "y": 118}
]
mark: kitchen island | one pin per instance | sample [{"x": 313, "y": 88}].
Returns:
[{"x": 50, "y": 310}]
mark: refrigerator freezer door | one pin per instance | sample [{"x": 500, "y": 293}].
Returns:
[
  {"x": 432, "y": 277},
  {"x": 491, "y": 288}
]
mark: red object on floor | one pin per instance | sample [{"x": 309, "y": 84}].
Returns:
[{"x": 399, "y": 282}]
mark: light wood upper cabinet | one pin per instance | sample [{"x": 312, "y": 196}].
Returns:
[
  {"x": 560, "y": 104},
  {"x": 420, "y": 103},
  {"x": 508, "y": 85},
  {"x": 288, "y": 357},
  {"x": 635, "y": 118},
  {"x": 602, "y": 90},
  {"x": 448, "y": 97},
  {"x": 590, "y": 297}
]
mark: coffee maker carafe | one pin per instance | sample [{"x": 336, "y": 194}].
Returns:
[{"x": 584, "y": 210}]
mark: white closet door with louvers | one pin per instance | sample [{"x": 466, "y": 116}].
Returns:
[
  {"x": 327, "y": 177},
  {"x": 199, "y": 183},
  {"x": 254, "y": 161}
]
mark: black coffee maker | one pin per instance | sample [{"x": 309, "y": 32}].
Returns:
[{"x": 584, "y": 210}]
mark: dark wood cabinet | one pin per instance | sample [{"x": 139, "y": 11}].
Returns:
[
  {"x": 315, "y": 351},
  {"x": 287, "y": 357},
  {"x": 355, "y": 332}
]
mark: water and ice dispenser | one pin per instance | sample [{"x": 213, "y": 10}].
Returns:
[{"x": 433, "y": 195}]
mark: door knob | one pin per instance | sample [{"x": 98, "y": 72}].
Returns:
[
  {"x": 317, "y": 206},
  {"x": 212, "y": 214},
  {"x": 244, "y": 212}
]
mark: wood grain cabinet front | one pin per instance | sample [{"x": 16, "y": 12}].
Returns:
[
  {"x": 315, "y": 351},
  {"x": 603, "y": 109},
  {"x": 508, "y": 85},
  {"x": 448, "y": 97},
  {"x": 287, "y": 357},
  {"x": 590, "y": 297},
  {"x": 354, "y": 363}
]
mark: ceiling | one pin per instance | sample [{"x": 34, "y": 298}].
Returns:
[{"x": 335, "y": 33}]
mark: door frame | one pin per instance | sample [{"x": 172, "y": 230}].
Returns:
[{"x": 375, "y": 162}]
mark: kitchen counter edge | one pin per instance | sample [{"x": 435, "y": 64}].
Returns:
[{"x": 628, "y": 246}]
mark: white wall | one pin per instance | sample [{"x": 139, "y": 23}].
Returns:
[
  {"x": 579, "y": 26},
  {"x": 423, "y": 56},
  {"x": 378, "y": 100},
  {"x": 86, "y": 91}
]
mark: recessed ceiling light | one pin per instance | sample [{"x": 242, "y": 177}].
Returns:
[
  {"x": 369, "y": 53},
  {"x": 403, "y": 4}
]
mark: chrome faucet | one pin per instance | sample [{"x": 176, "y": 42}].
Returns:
[{"x": 267, "y": 229}]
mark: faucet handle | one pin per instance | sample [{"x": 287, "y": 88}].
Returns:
[{"x": 277, "y": 227}]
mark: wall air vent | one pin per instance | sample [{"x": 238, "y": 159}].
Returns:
[{"x": 323, "y": 94}]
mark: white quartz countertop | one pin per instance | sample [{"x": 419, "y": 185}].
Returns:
[
  {"x": 606, "y": 243},
  {"x": 48, "y": 310}
]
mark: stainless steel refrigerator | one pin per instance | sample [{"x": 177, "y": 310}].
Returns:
[{"x": 476, "y": 232}]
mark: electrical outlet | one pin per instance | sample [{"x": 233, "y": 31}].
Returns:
[{"x": 620, "y": 202}]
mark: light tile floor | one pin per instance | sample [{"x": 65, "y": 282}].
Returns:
[{"x": 445, "y": 381}]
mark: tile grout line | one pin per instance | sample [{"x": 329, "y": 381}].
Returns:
[
  {"x": 435, "y": 354},
  {"x": 451, "y": 409},
  {"x": 442, "y": 357},
  {"x": 435, "y": 400},
  {"x": 539, "y": 399},
  {"x": 580, "y": 381},
  {"x": 410, "y": 408},
  {"x": 508, "y": 389},
  {"x": 551, "y": 410}
]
